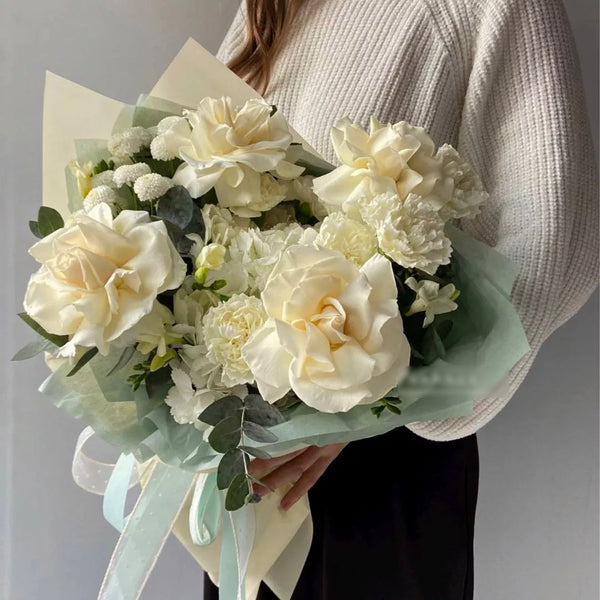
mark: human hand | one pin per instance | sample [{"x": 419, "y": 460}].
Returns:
[{"x": 302, "y": 468}]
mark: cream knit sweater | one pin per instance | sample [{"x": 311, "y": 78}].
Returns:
[{"x": 499, "y": 80}]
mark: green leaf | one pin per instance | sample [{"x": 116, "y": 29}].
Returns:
[
  {"x": 49, "y": 220},
  {"x": 176, "y": 206},
  {"x": 256, "y": 452},
  {"x": 35, "y": 229},
  {"x": 57, "y": 340},
  {"x": 258, "y": 433},
  {"x": 226, "y": 435},
  {"x": 123, "y": 360},
  {"x": 33, "y": 349},
  {"x": 220, "y": 409},
  {"x": 231, "y": 465},
  {"x": 84, "y": 360},
  {"x": 237, "y": 493},
  {"x": 261, "y": 412},
  {"x": 158, "y": 384},
  {"x": 377, "y": 410}
]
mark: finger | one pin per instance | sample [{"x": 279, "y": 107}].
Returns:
[
  {"x": 306, "y": 481},
  {"x": 259, "y": 465},
  {"x": 292, "y": 470}
]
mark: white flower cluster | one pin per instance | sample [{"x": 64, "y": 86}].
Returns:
[{"x": 393, "y": 180}]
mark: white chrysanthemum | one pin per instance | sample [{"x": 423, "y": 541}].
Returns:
[
  {"x": 301, "y": 189},
  {"x": 171, "y": 134},
  {"x": 258, "y": 251},
  {"x": 355, "y": 240},
  {"x": 221, "y": 225},
  {"x": 411, "y": 233},
  {"x": 468, "y": 193},
  {"x": 152, "y": 186},
  {"x": 431, "y": 299},
  {"x": 226, "y": 329},
  {"x": 129, "y": 174},
  {"x": 129, "y": 141},
  {"x": 103, "y": 178},
  {"x": 102, "y": 194}
]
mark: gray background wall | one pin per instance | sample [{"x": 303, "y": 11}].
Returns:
[{"x": 537, "y": 520}]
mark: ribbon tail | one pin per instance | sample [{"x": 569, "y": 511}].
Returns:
[
  {"x": 146, "y": 532},
  {"x": 115, "y": 496}
]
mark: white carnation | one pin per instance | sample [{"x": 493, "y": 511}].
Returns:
[
  {"x": 101, "y": 194},
  {"x": 129, "y": 141},
  {"x": 468, "y": 193},
  {"x": 355, "y": 240},
  {"x": 411, "y": 233},
  {"x": 152, "y": 186},
  {"x": 128, "y": 174},
  {"x": 227, "y": 328}
]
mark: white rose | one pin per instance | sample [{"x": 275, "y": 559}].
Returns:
[
  {"x": 226, "y": 329},
  {"x": 468, "y": 193},
  {"x": 354, "y": 239},
  {"x": 395, "y": 158},
  {"x": 334, "y": 333},
  {"x": 100, "y": 276},
  {"x": 431, "y": 299},
  {"x": 227, "y": 148},
  {"x": 411, "y": 233}
]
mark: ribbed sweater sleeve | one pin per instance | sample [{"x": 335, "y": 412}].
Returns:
[{"x": 525, "y": 130}]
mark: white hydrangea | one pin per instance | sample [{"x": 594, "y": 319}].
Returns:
[
  {"x": 221, "y": 225},
  {"x": 411, "y": 233},
  {"x": 468, "y": 193},
  {"x": 258, "y": 251},
  {"x": 186, "y": 401},
  {"x": 431, "y": 299},
  {"x": 129, "y": 174},
  {"x": 98, "y": 195},
  {"x": 103, "y": 178},
  {"x": 301, "y": 189},
  {"x": 152, "y": 186},
  {"x": 355, "y": 240},
  {"x": 226, "y": 329},
  {"x": 129, "y": 141}
]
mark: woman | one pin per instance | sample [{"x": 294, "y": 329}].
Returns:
[{"x": 500, "y": 81}]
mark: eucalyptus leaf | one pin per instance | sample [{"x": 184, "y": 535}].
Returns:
[
  {"x": 84, "y": 360},
  {"x": 256, "y": 452},
  {"x": 33, "y": 349},
  {"x": 123, "y": 360},
  {"x": 49, "y": 220},
  {"x": 35, "y": 229},
  {"x": 259, "y": 411},
  {"x": 237, "y": 493},
  {"x": 226, "y": 435},
  {"x": 258, "y": 433},
  {"x": 57, "y": 340},
  {"x": 176, "y": 206},
  {"x": 231, "y": 465},
  {"x": 220, "y": 409}
]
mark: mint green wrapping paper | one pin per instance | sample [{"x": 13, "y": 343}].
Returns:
[{"x": 486, "y": 342}]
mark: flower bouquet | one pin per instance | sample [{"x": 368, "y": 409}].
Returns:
[{"x": 211, "y": 290}]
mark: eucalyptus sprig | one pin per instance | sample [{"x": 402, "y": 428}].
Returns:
[{"x": 234, "y": 419}]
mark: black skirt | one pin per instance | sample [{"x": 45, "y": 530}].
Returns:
[{"x": 393, "y": 520}]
